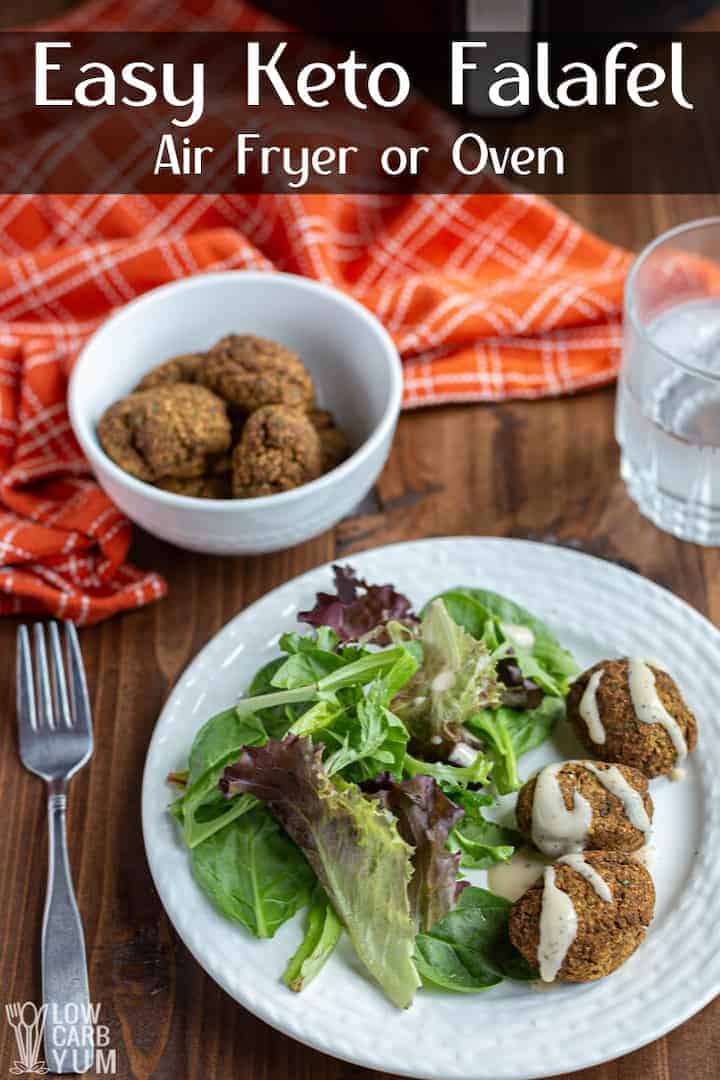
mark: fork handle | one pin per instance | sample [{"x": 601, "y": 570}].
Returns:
[{"x": 68, "y": 1027}]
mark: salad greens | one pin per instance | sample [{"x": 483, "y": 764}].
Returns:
[
  {"x": 425, "y": 818},
  {"x": 481, "y": 842},
  {"x": 321, "y": 936},
  {"x": 489, "y": 616},
  {"x": 254, "y": 873},
  {"x": 510, "y": 733},
  {"x": 469, "y": 950},
  {"x": 457, "y": 679},
  {"x": 353, "y": 846},
  {"x": 354, "y": 778}
]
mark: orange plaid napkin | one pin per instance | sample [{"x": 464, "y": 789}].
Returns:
[{"x": 487, "y": 297}]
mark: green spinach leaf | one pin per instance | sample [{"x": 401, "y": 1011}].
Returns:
[
  {"x": 253, "y": 873},
  {"x": 510, "y": 733},
  {"x": 203, "y": 809},
  {"x": 469, "y": 951}
]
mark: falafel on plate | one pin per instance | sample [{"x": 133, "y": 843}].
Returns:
[
  {"x": 631, "y": 711},
  {"x": 585, "y": 918},
  {"x": 585, "y": 805}
]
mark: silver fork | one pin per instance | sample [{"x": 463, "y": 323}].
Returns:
[{"x": 55, "y": 735}]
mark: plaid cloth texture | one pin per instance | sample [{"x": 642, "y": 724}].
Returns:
[{"x": 487, "y": 297}]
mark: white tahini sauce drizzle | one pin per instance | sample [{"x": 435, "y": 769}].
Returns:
[
  {"x": 648, "y": 707},
  {"x": 579, "y": 864},
  {"x": 521, "y": 635},
  {"x": 555, "y": 829},
  {"x": 463, "y": 755},
  {"x": 558, "y": 927},
  {"x": 513, "y": 878},
  {"x": 589, "y": 711},
  {"x": 632, "y": 801}
]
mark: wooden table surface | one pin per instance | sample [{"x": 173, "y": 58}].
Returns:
[{"x": 544, "y": 470}]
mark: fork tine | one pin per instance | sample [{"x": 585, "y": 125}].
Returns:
[
  {"x": 82, "y": 717},
  {"x": 45, "y": 714},
  {"x": 62, "y": 702},
  {"x": 27, "y": 714}
]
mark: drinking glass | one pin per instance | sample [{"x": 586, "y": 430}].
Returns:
[{"x": 668, "y": 404}]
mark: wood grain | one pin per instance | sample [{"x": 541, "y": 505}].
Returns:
[{"x": 545, "y": 470}]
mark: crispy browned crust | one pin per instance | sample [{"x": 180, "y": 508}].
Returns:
[
  {"x": 610, "y": 828},
  {"x": 249, "y": 372},
  {"x": 179, "y": 369},
  {"x": 279, "y": 450},
  {"x": 608, "y": 933},
  {"x": 647, "y": 747},
  {"x": 169, "y": 431},
  {"x": 333, "y": 443}
]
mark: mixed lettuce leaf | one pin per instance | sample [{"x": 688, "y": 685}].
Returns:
[
  {"x": 499, "y": 621},
  {"x": 357, "y": 609},
  {"x": 352, "y": 844},
  {"x": 457, "y": 678},
  {"x": 425, "y": 818},
  {"x": 354, "y": 778}
]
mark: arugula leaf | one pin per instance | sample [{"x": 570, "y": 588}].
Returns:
[
  {"x": 480, "y": 842},
  {"x": 425, "y": 816},
  {"x": 454, "y": 775},
  {"x": 368, "y": 741},
  {"x": 457, "y": 678},
  {"x": 393, "y": 666},
  {"x": 253, "y": 873},
  {"x": 510, "y": 733},
  {"x": 352, "y": 845},
  {"x": 321, "y": 936},
  {"x": 469, "y": 950}
]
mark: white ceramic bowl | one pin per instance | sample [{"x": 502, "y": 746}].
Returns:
[{"x": 351, "y": 357}]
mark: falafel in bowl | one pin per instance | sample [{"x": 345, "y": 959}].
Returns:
[{"x": 261, "y": 410}]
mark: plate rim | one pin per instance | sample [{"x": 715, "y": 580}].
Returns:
[{"x": 150, "y": 812}]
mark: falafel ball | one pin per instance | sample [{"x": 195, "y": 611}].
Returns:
[
  {"x": 333, "y": 443},
  {"x": 179, "y": 369},
  {"x": 612, "y": 806},
  {"x": 608, "y": 931},
  {"x": 615, "y": 728},
  {"x": 249, "y": 372},
  {"x": 279, "y": 450},
  {"x": 169, "y": 431}
]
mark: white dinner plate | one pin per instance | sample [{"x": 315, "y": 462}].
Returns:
[{"x": 511, "y": 1032}]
